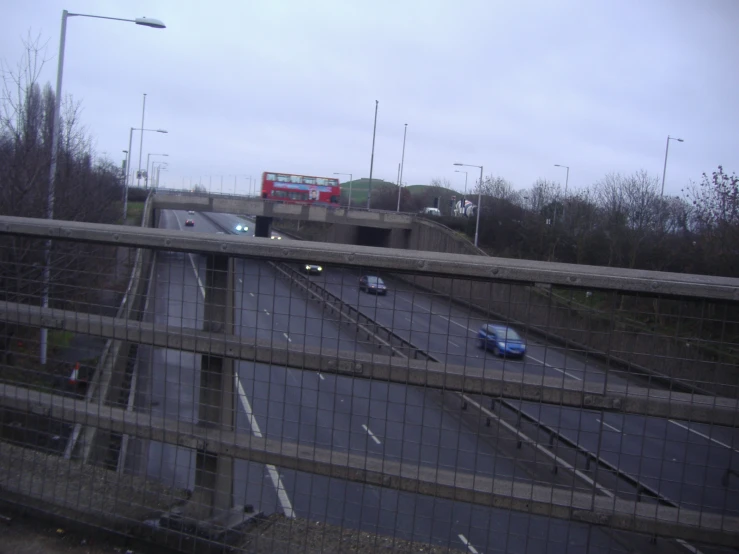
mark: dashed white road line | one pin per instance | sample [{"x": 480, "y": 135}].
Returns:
[
  {"x": 453, "y": 343},
  {"x": 287, "y": 337},
  {"x": 606, "y": 425},
  {"x": 192, "y": 262},
  {"x": 468, "y": 544},
  {"x": 251, "y": 294},
  {"x": 322, "y": 377},
  {"x": 274, "y": 476},
  {"x": 562, "y": 371},
  {"x": 437, "y": 315},
  {"x": 265, "y": 311},
  {"x": 371, "y": 434},
  {"x": 702, "y": 435}
]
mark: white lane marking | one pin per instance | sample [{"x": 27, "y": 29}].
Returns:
[
  {"x": 371, "y": 434},
  {"x": 251, "y": 294},
  {"x": 562, "y": 371},
  {"x": 192, "y": 262},
  {"x": 437, "y": 315},
  {"x": 525, "y": 438},
  {"x": 288, "y": 338},
  {"x": 265, "y": 311},
  {"x": 467, "y": 544},
  {"x": 407, "y": 318},
  {"x": 606, "y": 425},
  {"x": 702, "y": 435},
  {"x": 240, "y": 281},
  {"x": 688, "y": 547},
  {"x": 322, "y": 377},
  {"x": 287, "y": 507},
  {"x": 453, "y": 343}
]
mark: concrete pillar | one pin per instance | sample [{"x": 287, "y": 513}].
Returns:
[
  {"x": 263, "y": 226},
  {"x": 217, "y": 405}
]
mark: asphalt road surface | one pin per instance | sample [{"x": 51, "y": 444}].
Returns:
[{"x": 391, "y": 420}]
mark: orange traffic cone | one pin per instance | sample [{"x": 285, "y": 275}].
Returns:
[{"x": 75, "y": 374}]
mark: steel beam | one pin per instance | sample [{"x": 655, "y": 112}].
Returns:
[
  {"x": 489, "y": 382},
  {"x": 453, "y": 266},
  {"x": 570, "y": 504}
]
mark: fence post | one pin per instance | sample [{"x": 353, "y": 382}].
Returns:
[{"x": 214, "y": 475}]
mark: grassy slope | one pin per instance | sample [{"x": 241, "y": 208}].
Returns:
[{"x": 359, "y": 188}]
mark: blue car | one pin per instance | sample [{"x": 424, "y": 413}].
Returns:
[{"x": 502, "y": 340}]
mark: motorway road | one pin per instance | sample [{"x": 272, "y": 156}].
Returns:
[
  {"x": 684, "y": 461},
  {"x": 390, "y": 420}
]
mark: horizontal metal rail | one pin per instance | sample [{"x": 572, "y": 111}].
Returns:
[
  {"x": 453, "y": 266},
  {"x": 488, "y": 382},
  {"x": 665, "y": 521}
]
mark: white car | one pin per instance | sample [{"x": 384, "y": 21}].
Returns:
[{"x": 191, "y": 212}]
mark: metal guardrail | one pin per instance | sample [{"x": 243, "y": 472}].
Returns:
[{"x": 576, "y": 493}]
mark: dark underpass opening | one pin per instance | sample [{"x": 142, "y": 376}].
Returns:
[{"x": 372, "y": 236}]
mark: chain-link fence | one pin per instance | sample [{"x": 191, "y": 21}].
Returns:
[{"x": 206, "y": 388}]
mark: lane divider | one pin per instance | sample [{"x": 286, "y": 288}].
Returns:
[
  {"x": 467, "y": 544},
  {"x": 371, "y": 434},
  {"x": 274, "y": 475},
  {"x": 192, "y": 262}
]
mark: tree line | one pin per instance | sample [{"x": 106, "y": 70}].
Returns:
[
  {"x": 619, "y": 221},
  {"x": 87, "y": 188}
]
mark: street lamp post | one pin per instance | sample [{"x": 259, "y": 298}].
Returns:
[
  {"x": 372, "y": 158},
  {"x": 130, "y": 139},
  {"x": 564, "y": 204},
  {"x": 479, "y": 200},
  {"x": 402, "y": 162},
  {"x": 148, "y": 156},
  {"x": 56, "y": 118},
  {"x": 464, "y": 196},
  {"x": 351, "y": 181},
  {"x": 664, "y": 169},
  {"x": 155, "y": 168}
]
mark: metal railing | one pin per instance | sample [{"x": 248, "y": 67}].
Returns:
[{"x": 263, "y": 408}]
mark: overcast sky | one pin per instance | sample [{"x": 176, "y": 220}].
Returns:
[{"x": 249, "y": 86}]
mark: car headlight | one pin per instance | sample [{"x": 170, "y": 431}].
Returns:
[
  {"x": 238, "y": 227},
  {"x": 307, "y": 267},
  {"x": 501, "y": 345},
  {"x": 320, "y": 268}
]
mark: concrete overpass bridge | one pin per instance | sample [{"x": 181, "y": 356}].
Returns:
[{"x": 353, "y": 226}]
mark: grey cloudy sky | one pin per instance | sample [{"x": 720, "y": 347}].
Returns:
[{"x": 248, "y": 86}]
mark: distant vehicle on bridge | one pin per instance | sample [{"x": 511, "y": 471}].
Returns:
[{"x": 300, "y": 189}]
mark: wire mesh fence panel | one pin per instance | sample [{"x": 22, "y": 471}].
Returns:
[{"x": 205, "y": 388}]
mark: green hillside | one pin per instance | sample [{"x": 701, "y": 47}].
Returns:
[
  {"x": 360, "y": 186},
  {"x": 421, "y": 190}
]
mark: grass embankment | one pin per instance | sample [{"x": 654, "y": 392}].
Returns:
[{"x": 135, "y": 213}]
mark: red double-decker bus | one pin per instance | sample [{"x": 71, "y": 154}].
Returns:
[{"x": 300, "y": 189}]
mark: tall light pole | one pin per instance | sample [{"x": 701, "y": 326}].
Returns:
[
  {"x": 479, "y": 200},
  {"x": 351, "y": 181},
  {"x": 130, "y": 139},
  {"x": 664, "y": 169},
  {"x": 155, "y": 168},
  {"x": 372, "y": 158},
  {"x": 141, "y": 143},
  {"x": 464, "y": 196},
  {"x": 402, "y": 162},
  {"x": 564, "y": 204},
  {"x": 148, "y": 156},
  {"x": 56, "y": 117}
]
